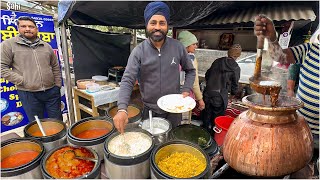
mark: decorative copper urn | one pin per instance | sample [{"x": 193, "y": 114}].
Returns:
[{"x": 268, "y": 141}]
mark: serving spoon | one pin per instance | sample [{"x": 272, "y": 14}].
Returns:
[
  {"x": 125, "y": 144},
  {"x": 151, "y": 122},
  {"x": 262, "y": 84},
  {"x": 40, "y": 125}
]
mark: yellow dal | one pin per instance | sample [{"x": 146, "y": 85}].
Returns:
[{"x": 182, "y": 165}]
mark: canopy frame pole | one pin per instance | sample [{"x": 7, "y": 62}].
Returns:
[
  {"x": 134, "y": 38},
  {"x": 64, "y": 42}
]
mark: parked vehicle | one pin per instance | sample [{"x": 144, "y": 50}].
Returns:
[{"x": 246, "y": 65}]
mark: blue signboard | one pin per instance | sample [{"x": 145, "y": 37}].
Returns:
[{"x": 12, "y": 113}]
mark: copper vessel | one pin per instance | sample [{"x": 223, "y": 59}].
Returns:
[{"x": 268, "y": 141}]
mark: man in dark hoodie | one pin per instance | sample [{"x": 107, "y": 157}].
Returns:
[
  {"x": 223, "y": 74},
  {"x": 155, "y": 62}
]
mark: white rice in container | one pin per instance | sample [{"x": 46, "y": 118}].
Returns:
[{"x": 130, "y": 144}]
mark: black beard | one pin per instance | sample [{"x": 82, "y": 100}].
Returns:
[{"x": 156, "y": 38}]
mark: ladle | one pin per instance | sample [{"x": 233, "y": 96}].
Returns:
[
  {"x": 125, "y": 144},
  {"x": 151, "y": 123},
  {"x": 79, "y": 157},
  {"x": 40, "y": 125},
  {"x": 259, "y": 83}
]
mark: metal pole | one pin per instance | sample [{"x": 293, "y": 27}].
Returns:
[
  {"x": 68, "y": 87},
  {"x": 134, "y": 38}
]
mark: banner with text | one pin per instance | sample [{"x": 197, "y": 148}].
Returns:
[{"x": 12, "y": 113}]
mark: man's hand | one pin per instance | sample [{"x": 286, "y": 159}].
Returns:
[
  {"x": 290, "y": 93},
  {"x": 263, "y": 26},
  {"x": 185, "y": 94},
  {"x": 201, "y": 104},
  {"x": 120, "y": 120},
  {"x": 290, "y": 87}
]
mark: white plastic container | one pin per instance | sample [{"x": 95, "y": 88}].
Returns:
[
  {"x": 92, "y": 87},
  {"x": 101, "y": 80}
]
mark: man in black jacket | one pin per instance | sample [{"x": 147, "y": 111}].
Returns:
[{"x": 223, "y": 74}]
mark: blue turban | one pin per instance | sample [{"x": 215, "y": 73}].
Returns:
[{"x": 159, "y": 8}]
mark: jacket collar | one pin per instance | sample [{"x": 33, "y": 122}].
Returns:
[
  {"x": 164, "y": 43},
  {"x": 19, "y": 40}
]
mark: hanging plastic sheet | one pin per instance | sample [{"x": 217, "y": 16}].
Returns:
[{"x": 95, "y": 51}]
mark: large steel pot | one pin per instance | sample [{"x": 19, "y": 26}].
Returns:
[
  {"x": 30, "y": 170},
  {"x": 128, "y": 167},
  {"x": 166, "y": 149},
  {"x": 195, "y": 134},
  {"x": 89, "y": 124},
  {"x": 268, "y": 141},
  {"x": 49, "y": 141},
  {"x": 161, "y": 129},
  {"x": 94, "y": 174},
  {"x": 134, "y": 115}
]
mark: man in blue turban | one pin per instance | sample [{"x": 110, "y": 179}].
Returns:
[
  {"x": 161, "y": 10},
  {"x": 158, "y": 8},
  {"x": 155, "y": 62}
]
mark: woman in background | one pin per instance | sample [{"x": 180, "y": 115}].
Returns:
[{"x": 190, "y": 41}]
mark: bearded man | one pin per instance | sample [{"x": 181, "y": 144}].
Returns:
[
  {"x": 35, "y": 71},
  {"x": 155, "y": 62}
]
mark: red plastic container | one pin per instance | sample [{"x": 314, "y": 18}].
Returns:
[{"x": 222, "y": 124}]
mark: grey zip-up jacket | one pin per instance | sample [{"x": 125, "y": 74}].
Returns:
[
  {"x": 33, "y": 69},
  {"x": 157, "y": 71}
]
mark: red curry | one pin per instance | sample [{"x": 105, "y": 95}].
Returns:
[
  {"x": 92, "y": 133},
  {"x": 19, "y": 159},
  {"x": 62, "y": 166}
]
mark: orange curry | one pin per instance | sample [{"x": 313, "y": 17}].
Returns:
[
  {"x": 92, "y": 133},
  {"x": 63, "y": 165},
  {"x": 48, "y": 132},
  {"x": 19, "y": 159}
]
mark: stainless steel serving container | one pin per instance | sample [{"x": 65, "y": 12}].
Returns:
[
  {"x": 52, "y": 141},
  {"x": 134, "y": 115},
  {"x": 160, "y": 123},
  {"x": 127, "y": 167},
  {"x": 197, "y": 135},
  {"x": 166, "y": 149},
  {"x": 86, "y": 124},
  {"x": 29, "y": 170},
  {"x": 94, "y": 174}
]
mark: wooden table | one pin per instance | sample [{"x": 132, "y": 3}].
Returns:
[{"x": 92, "y": 109}]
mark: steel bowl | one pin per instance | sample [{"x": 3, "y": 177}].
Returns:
[{"x": 160, "y": 124}]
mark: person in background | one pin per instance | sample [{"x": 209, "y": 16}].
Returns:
[
  {"x": 306, "y": 54},
  {"x": 293, "y": 79},
  {"x": 35, "y": 71},
  {"x": 190, "y": 41},
  {"x": 223, "y": 73},
  {"x": 157, "y": 61}
]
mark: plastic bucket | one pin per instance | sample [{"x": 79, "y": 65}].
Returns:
[{"x": 222, "y": 124}]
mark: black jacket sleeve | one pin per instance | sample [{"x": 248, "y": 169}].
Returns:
[{"x": 235, "y": 80}]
